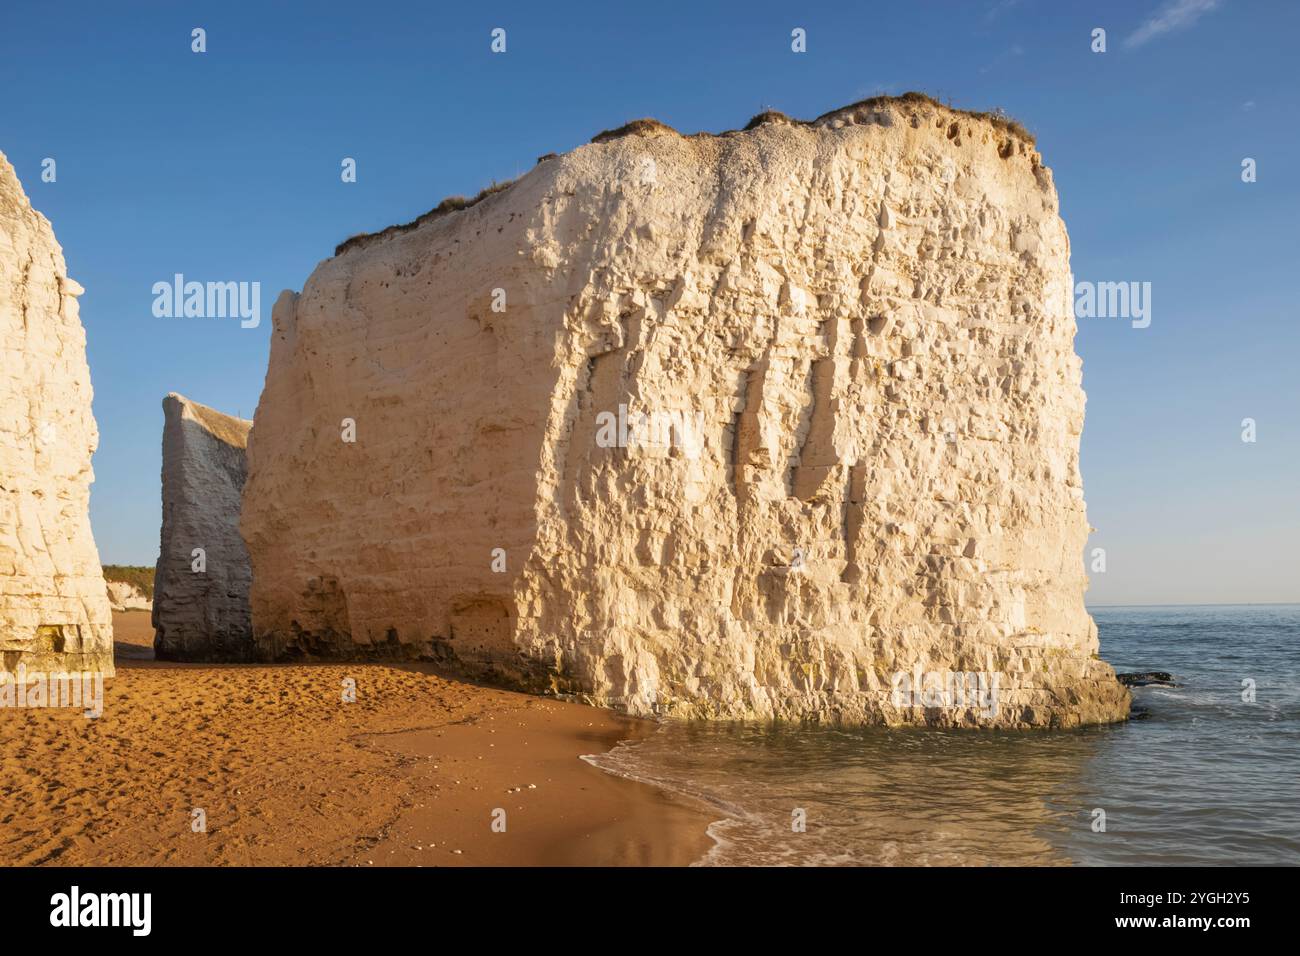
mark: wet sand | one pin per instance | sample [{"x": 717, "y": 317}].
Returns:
[{"x": 412, "y": 773}]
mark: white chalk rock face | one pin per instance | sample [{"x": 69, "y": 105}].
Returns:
[
  {"x": 777, "y": 423},
  {"x": 200, "y": 608},
  {"x": 54, "y": 612},
  {"x": 127, "y": 597}
]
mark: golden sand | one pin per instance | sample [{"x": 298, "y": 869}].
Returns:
[{"x": 287, "y": 773}]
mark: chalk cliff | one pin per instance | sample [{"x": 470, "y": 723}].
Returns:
[
  {"x": 739, "y": 426},
  {"x": 54, "y": 612},
  {"x": 200, "y": 609},
  {"x": 127, "y": 597}
]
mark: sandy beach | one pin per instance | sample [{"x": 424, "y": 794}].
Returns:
[{"x": 413, "y": 773}]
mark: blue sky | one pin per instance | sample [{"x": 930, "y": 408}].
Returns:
[{"x": 225, "y": 166}]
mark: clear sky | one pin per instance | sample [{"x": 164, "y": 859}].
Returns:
[{"x": 226, "y": 166}]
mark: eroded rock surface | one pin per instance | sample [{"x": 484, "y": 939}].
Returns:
[
  {"x": 54, "y": 612},
  {"x": 200, "y": 609},
  {"x": 851, "y": 343},
  {"x": 127, "y": 597}
]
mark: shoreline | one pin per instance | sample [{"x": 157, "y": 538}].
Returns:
[
  {"x": 230, "y": 765},
  {"x": 555, "y": 808}
]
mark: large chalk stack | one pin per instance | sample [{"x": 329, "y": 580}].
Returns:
[
  {"x": 54, "y": 612},
  {"x": 738, "y": 426},
  {"x": 200, "y": 608}
]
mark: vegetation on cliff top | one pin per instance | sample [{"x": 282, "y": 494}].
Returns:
[
  {"x": 642, "y": 127},
  {"x": 141, "y": 578}
]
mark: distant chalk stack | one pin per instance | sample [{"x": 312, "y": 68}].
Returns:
[{"x": 200, "y": 610}]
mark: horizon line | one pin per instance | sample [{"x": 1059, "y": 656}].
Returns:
[{"x": 1204, "y": 604}]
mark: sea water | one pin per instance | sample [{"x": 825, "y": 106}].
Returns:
[{"x": 1210, "y": 776}]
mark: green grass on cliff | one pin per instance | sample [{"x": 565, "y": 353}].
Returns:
[{"x": 142, "y": 578}]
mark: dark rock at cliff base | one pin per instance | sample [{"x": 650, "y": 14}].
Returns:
[{"x": 1147, "y": 678}]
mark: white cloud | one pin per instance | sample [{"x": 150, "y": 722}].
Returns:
[
  {"x": 1174, "y": 15},
  {"x": 999, "y": 8}
]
